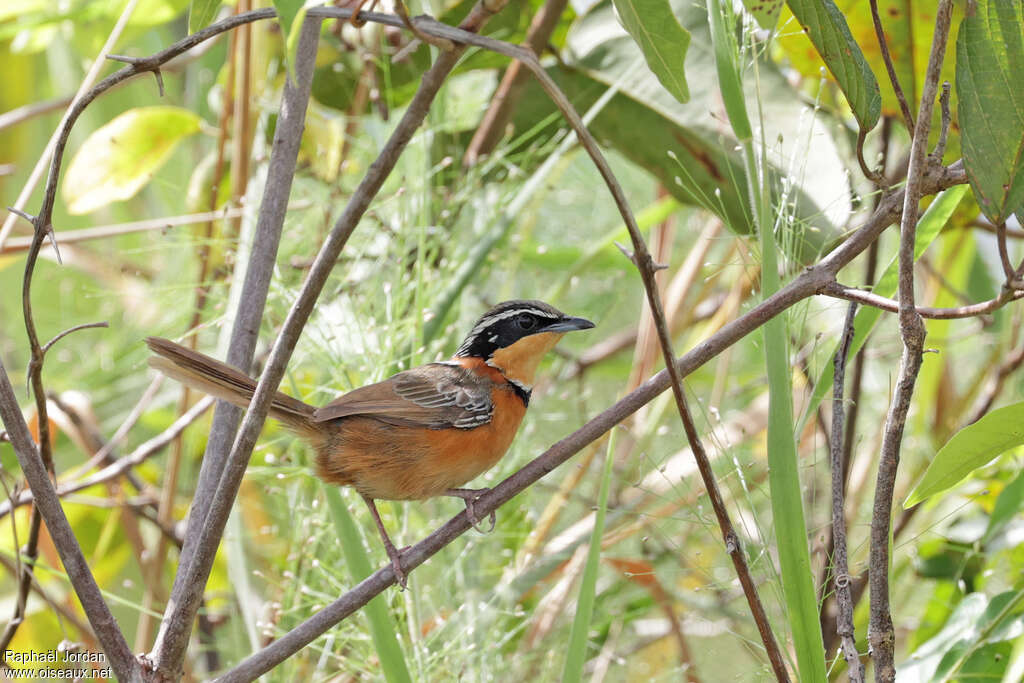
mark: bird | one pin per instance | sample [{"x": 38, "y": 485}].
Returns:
[{"x": 421, "y": 433}]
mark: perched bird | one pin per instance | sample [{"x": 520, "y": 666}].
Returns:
[{"x": 418, "y": 434}]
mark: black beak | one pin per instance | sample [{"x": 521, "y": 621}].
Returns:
[{"x": 568, "y": 325}]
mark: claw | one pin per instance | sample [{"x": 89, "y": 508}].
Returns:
[{"x": 469, "y": 496}]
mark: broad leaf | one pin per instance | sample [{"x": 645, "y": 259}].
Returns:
[
  {"x": 975, "y": 642},
  {"x": 989, "y": 64},
  {"x": 972, "y": 447},
  {"x": 661, "y": 38},
  {"x": 827, "y": 29},
  {"x": 118, "y": 160}
]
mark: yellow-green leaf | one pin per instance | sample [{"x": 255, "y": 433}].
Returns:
[
  {"x": 972, "y": 447},
  {"x": 119, "y": 159}
]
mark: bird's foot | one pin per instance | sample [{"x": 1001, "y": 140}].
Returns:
[
  {"x": 469, "y": 496},
  {"x": 395, "y": 556}
]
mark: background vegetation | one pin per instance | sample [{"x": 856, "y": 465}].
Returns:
[{"x": 613, "y": 566}]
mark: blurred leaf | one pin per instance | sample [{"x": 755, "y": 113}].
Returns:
[
  {"x": 928, "y": 228},
  {"x": 766, "y": 12},
  {"x": 118, "y": 160},
  {"x": 904, "y": 22},
  {"x": 684, "y": 145},
  {"x": 972, "y": 447},
  {"x": 989, "y": 64},
  {"x": 290, "y": 15},
  {"x": 201, "y": 13},
  {"x": 826, "y": 26},
  {"x": 981, "y": 649},
  {"x": 1008, "y": 505},
  {"x": 661, "y": 38}
]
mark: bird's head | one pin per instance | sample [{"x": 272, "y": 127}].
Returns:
[{"x": 514, "y": 336}]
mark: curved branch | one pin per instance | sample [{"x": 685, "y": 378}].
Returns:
[{"x": 840, "y": 291}]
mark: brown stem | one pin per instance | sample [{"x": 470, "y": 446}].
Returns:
[
  {"x": 840, "y": 566},
  {"x": 908, "y": 118},
  {"x": 840, "y": 291},
  {"x": 492, "y": 126},
  {"x": 881, "y": 634}
]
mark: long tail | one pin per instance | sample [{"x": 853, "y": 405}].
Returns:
[{"x": 210, "y": 376}]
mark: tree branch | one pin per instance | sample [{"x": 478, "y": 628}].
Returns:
[
  {"x": 103, "y": 623},
  {"x": 881, "y": 635}
]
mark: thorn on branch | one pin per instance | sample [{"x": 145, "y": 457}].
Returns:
[
  {"x": 655, "y": 267},
  {"x": 142, "y": 64},
  {"x": 27, "y": 216}
]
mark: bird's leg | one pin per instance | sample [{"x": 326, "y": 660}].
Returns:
[
  {"x": 389, "y": 547},
  {"x": 470, "y": 496}
]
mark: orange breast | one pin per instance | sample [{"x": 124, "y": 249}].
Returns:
[{"x": 411, "y": 463}]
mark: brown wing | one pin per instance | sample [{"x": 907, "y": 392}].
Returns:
[{"x": 437, "y": 395}]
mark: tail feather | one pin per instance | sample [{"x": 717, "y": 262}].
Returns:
[{"x": 222, "y": 381}]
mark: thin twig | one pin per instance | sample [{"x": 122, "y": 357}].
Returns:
[
  {"x": 881, "y": 635},
  {"x": 908, "y": 118},
  {"x": 840, "y": 566},
  {"x": 840, "y": 291},
  {"x": 84, "y": 326},
  {"x": 119, "y": 655},
  {"x": 506, "y": 96},
  {"x": 121, "y": 466}
]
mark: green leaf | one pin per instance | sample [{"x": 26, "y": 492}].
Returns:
[
  {"x": 290, "y": 15},
  {"x": 989, "y": 63},
  {"x": 201, "y": 13},
  {"x": 662, "y": 39},
  {"x": 118, "y": 160},
  {"x": 1008, "y": 504},
  {"x": 972, "y": 447},
  {"x": 827, "y": 29}
]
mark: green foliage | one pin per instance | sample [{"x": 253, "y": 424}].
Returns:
[
  {"x": 382, "y": 627},
  {"x": 663, "y": 40},
  {"x": 972, "y": 447},
  {"x": 201, "y": 14},
  {"x": 576, "y": 654},
  {"x": 928, "y": 228},
  {"x": 827, "y": 28},
  {"x": 441, "y": 242},
  {"x": 989, "y": 62},
  {"x": 119, "y": 159}
]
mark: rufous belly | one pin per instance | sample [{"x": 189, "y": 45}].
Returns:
[{"x": 389, "y": 462}]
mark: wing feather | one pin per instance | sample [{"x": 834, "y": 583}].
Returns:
[{"x": 437, "y": 395}]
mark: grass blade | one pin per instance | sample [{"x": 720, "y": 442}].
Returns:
[
  {"x": 576, "y": 656},
  {"x": 382, "y": 628}
]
